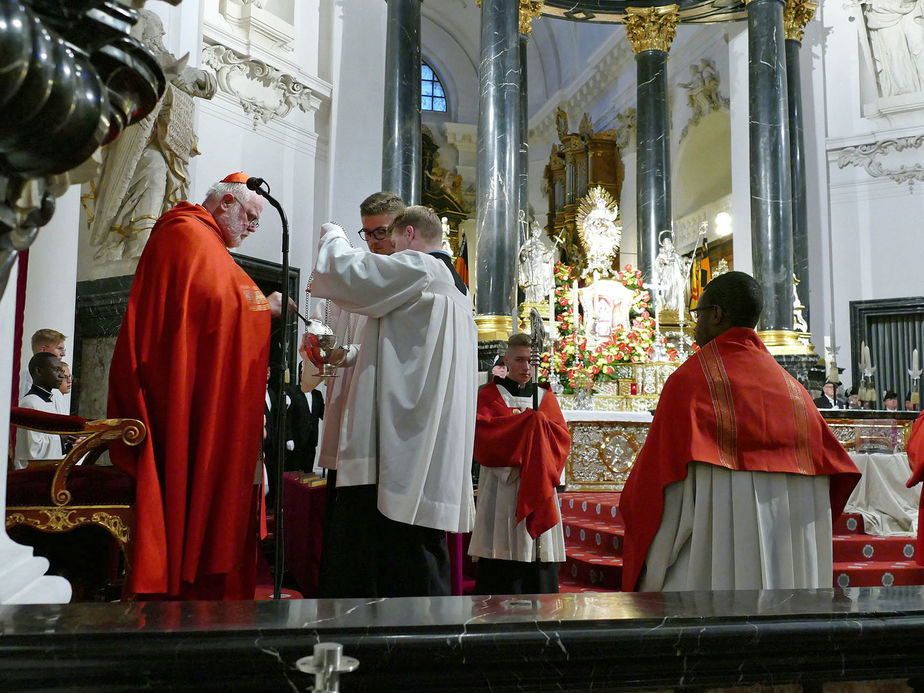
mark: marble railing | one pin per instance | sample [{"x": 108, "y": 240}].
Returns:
[{"x": 570, "y": 642}]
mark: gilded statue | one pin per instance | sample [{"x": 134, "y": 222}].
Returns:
[
  {"x": 144, "y": 172},
  {"x": 600, "y": 232}
]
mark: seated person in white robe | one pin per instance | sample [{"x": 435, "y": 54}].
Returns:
[
  {"x": 740, "y": 478},
  {"x": 46, "y": 371},
  {"x": 407, "y": 430}
]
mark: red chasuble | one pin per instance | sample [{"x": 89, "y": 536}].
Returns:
[
  {"x": 536, "y": 441},
  {"x": 732, "y": 405},
  {"x": 916, "y": 457},
  {"x": 190, "y": 362}
]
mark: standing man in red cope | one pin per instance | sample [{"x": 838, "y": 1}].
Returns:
[
  {"x": 740, "y": 477},
  {"x": 518, "y": 538},
  {"x": 190, "y": 362}
]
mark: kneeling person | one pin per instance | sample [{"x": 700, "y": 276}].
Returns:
[{"x": 518, "y": 537}]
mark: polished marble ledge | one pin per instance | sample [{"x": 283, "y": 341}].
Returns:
[{"x": 552, "y": 642}]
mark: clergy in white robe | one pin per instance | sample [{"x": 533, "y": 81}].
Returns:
[{"x": 407, "y": 428}]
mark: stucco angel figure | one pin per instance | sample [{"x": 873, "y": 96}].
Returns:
[
  {"x": 896, "y": 36},
  {"x": 144, "y": 172},
  {"x": 536, "y": 267},
  {"x": 670, "y": 276}
]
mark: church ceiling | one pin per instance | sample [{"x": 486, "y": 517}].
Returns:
[{"x": 691, "y": 11}]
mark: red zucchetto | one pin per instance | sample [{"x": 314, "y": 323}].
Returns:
[{"x": 238, "y": 177}]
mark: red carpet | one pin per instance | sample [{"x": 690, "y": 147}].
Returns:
[{"x": 594, "y": 533}]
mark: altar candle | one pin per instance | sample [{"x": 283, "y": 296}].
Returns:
[
  {"x": 574, "y": 306},
  {"x": 867, "y": 362},
  {"x": 914, "y": 361}
]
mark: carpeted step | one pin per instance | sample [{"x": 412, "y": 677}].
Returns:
[
  {"x": 860, "y": 548},
  {"x": 878, "y": 574},
  {"x": 590, "y": 505},
  {"x": 848, "y": 523},
  {"x": 598, "y": 535},
  {"x": 592, "y": 569}
]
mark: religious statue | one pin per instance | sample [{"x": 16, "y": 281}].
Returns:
[
  {"x": 599, "y": 232},
  {"x": 670, "y": 276},
  {"x": 561, "y": 122},
  {"x": 606, "y": 305},
  {"x": 144, "y": 172},
  {"x": 798, "y": 319},
  {"x": 896, "y": 37},
  {"x": 703, "y": 94},
  {"x": 586, "y": 128},
  {"x": 536, "y": 267}
]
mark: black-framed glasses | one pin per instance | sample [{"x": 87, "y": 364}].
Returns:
[
  {"x": 699, "y": 308},
  {"x": 253, "y": 223},
  {"x": 379, "y": 234}
]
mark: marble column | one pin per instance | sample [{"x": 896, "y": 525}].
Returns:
[
  {"x": 651, "y": 31},
  {"x": 523, "y": 186},
  {"x": 401, "y": 150},
  {"x": 796, "y": 14},
  {"x": 497, "y": 175},
  {"x": 770, "y": 179}
]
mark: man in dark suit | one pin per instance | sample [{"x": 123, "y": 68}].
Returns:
[
  {"x": 306, "y": 409},
  {"x": 828, "y": 398}
]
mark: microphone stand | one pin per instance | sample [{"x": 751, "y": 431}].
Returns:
[{"x": 282, "y": 380}]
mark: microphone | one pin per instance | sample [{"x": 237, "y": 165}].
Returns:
[{"x": 255, "y": 183}]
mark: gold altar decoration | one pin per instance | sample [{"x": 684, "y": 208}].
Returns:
[
  {"x": 494, "y": 328},
  {"x": 582, "y": 161},
  {"x": 602, "y": 454},
  {"x": 784, "y": 342},
  {"x": 872, "y": 435},
  {"x": 651, "y": 28},
  {"x": 796, "y": 14},
  {"x": 599, "y": 231}
]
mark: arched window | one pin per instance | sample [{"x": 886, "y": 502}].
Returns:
[{"x": 432, "y": 94}]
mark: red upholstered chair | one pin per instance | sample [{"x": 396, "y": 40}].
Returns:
[{"x": 60, "y": 495}]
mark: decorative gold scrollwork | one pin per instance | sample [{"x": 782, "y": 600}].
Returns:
[
  {"x": 114, "y": 524},
  {"x": 651, "y": 28},
  {"x": 796, "y": 14}
]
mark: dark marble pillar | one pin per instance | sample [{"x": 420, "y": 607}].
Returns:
[
  {"x": 796, "y": 14},
  {"x": 497, "y": 173},
  {"x": 771, "y": 181},
  {"x": 523, "y": 188},
  {"x": 401, "y": 147},
  {"x": 651, "y": 31}
]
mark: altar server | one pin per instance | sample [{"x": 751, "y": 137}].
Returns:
[
  {"x": 405, "y": 449},
  {"x": 740, "y": 478},
  {"x": 518, "y": 538}
]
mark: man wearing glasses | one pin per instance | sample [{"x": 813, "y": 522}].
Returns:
[
  {"x": 376, "y": 212},
  {"x": 405, "y": 450},
  {"x": 740, "y": 478},
  {"x": 190, "y": 362}
]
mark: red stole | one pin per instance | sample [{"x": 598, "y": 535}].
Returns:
[
  {"x": 190, "y": 362},
  {"x": 916, "y": 457},
  {"x": 536, "y": 441},
  {"x": 731, "y": 404}
]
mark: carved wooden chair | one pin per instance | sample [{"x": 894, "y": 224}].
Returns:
[{"x": 61, "y": 495}]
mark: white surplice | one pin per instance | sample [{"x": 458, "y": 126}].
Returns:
[
  {"x": 35, "y": 445},
  {"x": 738, "y": 530},
  {"x": 409, "y": 420}
]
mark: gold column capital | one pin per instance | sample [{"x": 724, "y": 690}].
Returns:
[
  {"x": 529, "y": 10},
  {"x": 494, "y": 328},
  {"x": 796, "y": 14},
  {"x": 651, "y": 28}
]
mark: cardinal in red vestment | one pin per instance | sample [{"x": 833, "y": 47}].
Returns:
[
  {"x": 190, "y": 362},
  {"x": 732, "y": 406}
]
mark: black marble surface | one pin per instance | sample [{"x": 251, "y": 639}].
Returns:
[
  {"x": 797, "y": 166},
  {"x": 653, "y": 164},
  {"x": 498, "y": 158},
  {"x": 550, "y": 642},
  {"x": 770, "y": 179},
  {"x": 402, "y": 150}
]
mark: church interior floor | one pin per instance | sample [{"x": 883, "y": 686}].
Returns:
[{"x": 594, "y": 533}]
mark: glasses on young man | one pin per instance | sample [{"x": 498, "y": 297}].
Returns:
[
  {"x": 695, "y": 311},
  {"x": 378, "y": 234}
]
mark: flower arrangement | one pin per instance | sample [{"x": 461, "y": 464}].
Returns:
[{"x": 578, "y": 367}]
